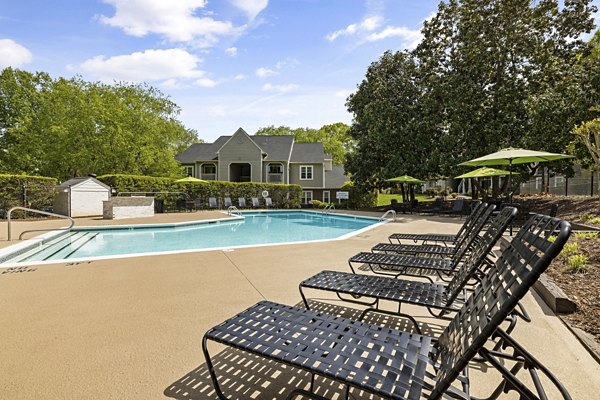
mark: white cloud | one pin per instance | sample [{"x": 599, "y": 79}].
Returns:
[
  {"x": 267, "y": 87},
  {"x": 206, "y": 82},
  {"x": 410, "y": 37},
  {"x": 288, "y": 62},
  {"x": 231, "y": 51},
  {"x": 150, "y": 65},
  {"x": 251, "y": 7},
  {"x": 240, "y": 77},
  {"x": 217, "y": 111},
  {"x": 175, "y": 20},
  {"x": 342, "y": 94},
  {"x": 12, "y": 54},
  {"x": 368, "y": 24},
  {"x": 263, "y": 72}
]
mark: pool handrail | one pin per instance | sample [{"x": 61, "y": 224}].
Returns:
[
  {"x": 232, "y": 209},
  {"x": 389, "y": 212},
  {"x": 72, "y": 221}
]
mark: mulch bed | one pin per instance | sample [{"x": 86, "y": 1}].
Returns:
[{"x": 583, "y": 287}]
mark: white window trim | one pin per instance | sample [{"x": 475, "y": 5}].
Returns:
[
  {"x": 206, "y": 165},
  {"x": 328, "y": 196},
  {"x": 304, "y": 197},
  {"x": 187, "y": 169},
  {"x": 311, "y": 173}
]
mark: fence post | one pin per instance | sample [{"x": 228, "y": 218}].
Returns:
[
  {"x": 566, "y": 186},
  {"x": 24, "y": 187},
  {"x": 592, "y": 184}
]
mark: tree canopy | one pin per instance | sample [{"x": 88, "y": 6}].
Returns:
[
  {"x": 69, "y": 127},
  {"x": 487, "y": 75},
  {"x": 335, "y": 138}
]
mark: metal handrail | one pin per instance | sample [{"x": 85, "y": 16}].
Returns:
[
  {"x": 329, "y": 207},
  {"x": 389, "y": 212},
  {"x": 232, "y": 209},
  {"x": 37, "y": 230}
]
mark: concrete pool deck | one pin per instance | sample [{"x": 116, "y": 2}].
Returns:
[{"x": 131, "y": 328}]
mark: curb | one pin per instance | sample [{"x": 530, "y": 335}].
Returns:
[{"x": 553, "y": 296}]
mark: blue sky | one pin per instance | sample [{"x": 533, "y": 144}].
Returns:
[{"x": 226, "y": 63}]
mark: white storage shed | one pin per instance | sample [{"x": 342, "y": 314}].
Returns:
[{"x": 81, "y": 197}]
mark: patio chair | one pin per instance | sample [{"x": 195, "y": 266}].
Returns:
[
  {"x": 440, "y": 237},
  {"x": 268, "y": 202},
  {"x": 255, "y": 202},
  {"x": 400, "y": 365},
  {"x": 227, "y": 202},
  {"x": 241, "y": 202},
  {"x": 438, "y": 299},
  {"x": 458, "y": 207},
  {"x": 438, "y": 206},
  {"x": 397, "y": 264},
  {"x": 435, "y": 250},
  {"x": 212, "y": 202}
]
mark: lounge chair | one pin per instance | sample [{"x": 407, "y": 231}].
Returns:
[
  {"x": 400, "y": 365},
  {"x": 227, "y": 202},
  {"x": 241, "y": 202},
  {"x": 398, "y": 264},
  {"x": 255, "y": 202},
  {"x": 433, "y": 296},
  {"x": 435, "y": 250},
  {"x": 441, "y": 237},
  {"x": 212, "y": 202},
  {"x": 268, "y": 202}
]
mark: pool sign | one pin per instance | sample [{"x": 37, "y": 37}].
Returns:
[
  {"x": 342, "y": 195},
  {"x": 265, "y": 194}
]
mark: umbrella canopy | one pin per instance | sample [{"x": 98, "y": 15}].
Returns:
[
  {"x": 405, "y": 179},
  {"x": 512, "y": 155},
  {"x": 485, "y": 172},
  {"x": 189, "y": 179}
]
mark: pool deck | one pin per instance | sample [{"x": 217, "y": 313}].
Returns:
[{"x": 131, "y": 328}]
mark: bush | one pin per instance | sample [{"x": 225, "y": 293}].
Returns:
[
  {"x": 319, "y": 204},
  {"x": 578, "y": 263},
  {"x": 360, "y": 198},
  {"x": 283, "y": 196},
  {"x": 29, "y": 191},
  {"x": 430, "y": 192}
]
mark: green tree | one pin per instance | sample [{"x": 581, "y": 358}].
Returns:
[
  {"x": 335, "y": 138},
  {"x": 588, "y": 134}
]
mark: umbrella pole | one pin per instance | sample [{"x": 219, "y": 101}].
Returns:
[{"x": 510, "y": 181}]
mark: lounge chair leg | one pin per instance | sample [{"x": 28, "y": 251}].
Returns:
[
  {"x": 211, "y": 370},
  {"x": 303, "y": 297}
]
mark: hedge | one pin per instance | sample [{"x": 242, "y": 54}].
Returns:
[
  {"x": 283, "y": 196},
  {"x": 23, "y": 190},
  {"x": 359, "y": 198}
]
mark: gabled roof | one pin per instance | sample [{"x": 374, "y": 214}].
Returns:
[
  {"x": 202, "y": 151},
  {"x": 335, "y": 178},
  {"x": 277, "y": 147},
  {"x": 307, "y": 152},
  {"x": 79, "y": 180}
]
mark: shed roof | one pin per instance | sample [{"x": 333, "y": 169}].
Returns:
[{"x": 74, "y": 182}]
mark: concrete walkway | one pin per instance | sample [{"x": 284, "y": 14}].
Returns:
[{"x": 132, "y": 328}]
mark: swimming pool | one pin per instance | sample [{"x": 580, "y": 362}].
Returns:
[{"x": 247, "y": 229}]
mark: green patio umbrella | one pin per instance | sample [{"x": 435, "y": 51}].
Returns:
[
  {"x": 405, "y": 179},
  {"x": 189, "y": 179},
  {"x": 409, "y": 180},
  {"x": 512, "y": 156},
  {"x": 484, "y": 172}
]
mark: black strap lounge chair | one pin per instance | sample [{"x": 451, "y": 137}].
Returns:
[
  {"x": 268, "y": 202},
  {"x": 440, "y": 237},
  {"x": 435, "y": 250},
  {"x": 212, "y": 202},
  {"x": 241, "y": 202},
  {"x": 255, "y": 202},
  {"x": 400, "y": 365},
  {"x": 439, "y": 299},
  {"x": 227, "y": 202},
  {"x": 397, "y": 264}
]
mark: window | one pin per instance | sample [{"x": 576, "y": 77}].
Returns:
[
  {"x": 188, "y": 170},
  {"x": 326, "y": 197},
  {"x": 306, "y": 172},
  {"x": 307, "y": 196},
  {"x": 275, "y": 169},
  {"x": 559, "y": 181},
  {"x": 538, "y": 182},
  {"x": 209, "y": 172}
]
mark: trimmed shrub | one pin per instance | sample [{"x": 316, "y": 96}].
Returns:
[
  {"x": 283, "y": 196},
  {"x": 360, "y": 198},
  {"x": 28, "y": 191}
]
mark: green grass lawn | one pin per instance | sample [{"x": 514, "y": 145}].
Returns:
[{"x": 385, "y": 199}]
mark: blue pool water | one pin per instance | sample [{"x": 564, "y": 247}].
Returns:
[{"x": 254, "y": 229}]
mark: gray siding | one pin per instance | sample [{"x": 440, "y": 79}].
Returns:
[
  {"x": 316, "y": 182},
  {"x": 240, "y": 149}
]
